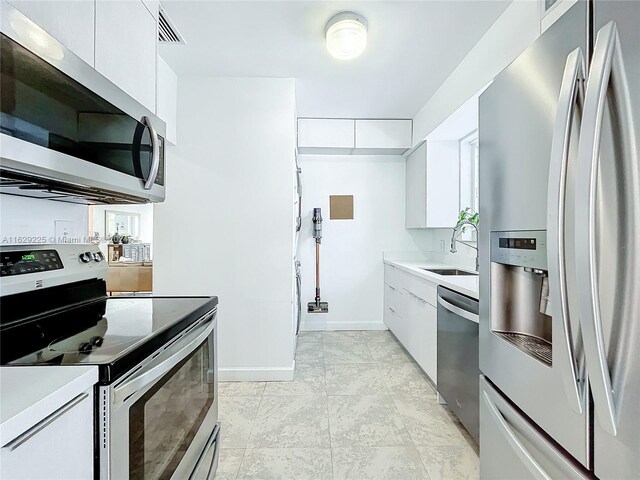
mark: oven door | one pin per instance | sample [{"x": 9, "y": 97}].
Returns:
[{"x": 159, "y": 421}]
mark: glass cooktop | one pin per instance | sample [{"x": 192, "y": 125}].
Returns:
[{"x": 112, "y": 332}]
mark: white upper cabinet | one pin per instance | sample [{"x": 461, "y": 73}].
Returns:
[
  {"x": 433, "y": 185},
  {"x": 416, "y": 188},
  {"x": 391, "y": 136},
  {"x": 126, "y": 47},
  {"x": 344, "y": 136},
  {"x": 168, "y": 98},
  {"x": 443, "y": 183},
  {"x": 326, "y": 135},
  {"x": 70, "y": 22}
]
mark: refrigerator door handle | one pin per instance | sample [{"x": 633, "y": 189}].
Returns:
[
  {"x": 607, "y": 67},
  {"x": 571, "y": 97},
  {"x": 534, "y": 467}
]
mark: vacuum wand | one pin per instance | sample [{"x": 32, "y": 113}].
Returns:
[{"x": 317, "y": 306}]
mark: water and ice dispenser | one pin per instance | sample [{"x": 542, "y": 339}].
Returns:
[{"x": 520, "y": 309}]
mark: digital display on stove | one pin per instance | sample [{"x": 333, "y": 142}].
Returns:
[
  {"x": 518, "y": 243},
  {"x": 23, "y": 262}
]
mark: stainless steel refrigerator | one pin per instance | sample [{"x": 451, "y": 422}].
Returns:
[{"x": 560, "y": 252}]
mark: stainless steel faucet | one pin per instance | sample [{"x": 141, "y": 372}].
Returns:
[{"x": 456, "y": 231}]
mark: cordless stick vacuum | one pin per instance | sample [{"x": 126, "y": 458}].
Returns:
[{"x": 317, "y": 306}]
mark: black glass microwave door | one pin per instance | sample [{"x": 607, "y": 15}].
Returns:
[
  {"x": 42, "y": 105},
  {"x": 164, "y": 421}
]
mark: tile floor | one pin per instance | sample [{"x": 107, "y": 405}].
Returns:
[{"x": 358, "y": 408}]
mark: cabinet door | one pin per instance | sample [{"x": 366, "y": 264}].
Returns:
[
  {"x": 69, "y": 22},
  {"x": 326, "y": 135},
  {"x": 391, "y": 135},
  {"x": 126, "y": 48},
  {"x": 60, "y": 447},
  {"x": 424, "y": 337},
  {"x": 168, "y": 98},
  {"x": 443, "y": 183},
  {"x": 416, "y": 188}
]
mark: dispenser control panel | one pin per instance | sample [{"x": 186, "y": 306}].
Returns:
[
  {"x": 522, "y": 249},
  {"x": 517, "y": 243}
]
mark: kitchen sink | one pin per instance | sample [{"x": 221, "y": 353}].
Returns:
[{"x": 449, "y": 271}]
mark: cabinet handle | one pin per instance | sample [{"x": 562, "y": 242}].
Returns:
[
  {"x": 421, "y": 300},
  {"x": 19, "y": 440}
]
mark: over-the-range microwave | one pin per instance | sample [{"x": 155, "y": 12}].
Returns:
[{"x": 67, "y": 133}]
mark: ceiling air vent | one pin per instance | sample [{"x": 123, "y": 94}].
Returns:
[{"x": 167, "y": 32}]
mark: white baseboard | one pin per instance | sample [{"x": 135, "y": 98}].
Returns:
[
  {"x": 256, "y": 374},
  {"x": 317, "y": 323}
]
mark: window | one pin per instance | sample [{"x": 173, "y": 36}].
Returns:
[{"x": 469, "y": 167}]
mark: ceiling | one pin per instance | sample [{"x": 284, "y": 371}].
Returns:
[{"x": 413, "y": 46}]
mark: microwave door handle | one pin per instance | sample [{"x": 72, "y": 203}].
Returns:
[
  {"x": 155, "y": 158},
  {"x": 571, "y": 97},
  {"x": 607, "y": 67},
  {"x": 152, "y": 372}
]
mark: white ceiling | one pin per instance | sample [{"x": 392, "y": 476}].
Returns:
[{"x": 413, "y": 47}]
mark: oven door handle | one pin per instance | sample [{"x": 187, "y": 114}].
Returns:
[{"x": 164, "y": 362}]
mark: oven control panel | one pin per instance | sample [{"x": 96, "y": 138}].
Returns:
[
  {"x": 25, "y": 268},
  {"x": 24, "y": 261},
  {"x": 21, "y": 262}
]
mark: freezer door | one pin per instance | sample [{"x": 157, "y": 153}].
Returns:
[
  {"x": 608, "y": 237},
  {"x": 518, "y": 116},
  {"x": 513, "y": 448}
]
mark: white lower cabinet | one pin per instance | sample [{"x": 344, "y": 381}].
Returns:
[
  {"x": 422, "y": 343},
  {"x": 60, "y": 446},
  {"x": 411, "y": 315}
]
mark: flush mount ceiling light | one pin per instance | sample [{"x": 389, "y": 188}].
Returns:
[{"x": 346, "y": 35}]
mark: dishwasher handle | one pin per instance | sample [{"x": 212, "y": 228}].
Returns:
[{"x": 458, "y": 311}]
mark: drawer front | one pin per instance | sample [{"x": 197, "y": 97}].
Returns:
[
  {"x": 392, "y": 276},
  {"x": 394, "y": 300},
  {"x": 423, "y": 289}
]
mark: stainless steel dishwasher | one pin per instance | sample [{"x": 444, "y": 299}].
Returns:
[{"x": 458, "y": 370}]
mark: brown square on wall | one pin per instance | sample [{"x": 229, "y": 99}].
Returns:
[{"x": 341, "y": 207}]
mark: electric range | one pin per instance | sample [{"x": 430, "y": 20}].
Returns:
[{"x": 156, "y": 401}]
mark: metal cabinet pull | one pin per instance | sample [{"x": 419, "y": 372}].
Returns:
[
  {"x": 155, "y": 159},
  {"x": 458, "y": 311},
  {"x": 42, "y": 424},
  {"x": 531, "y": 464},
  {"x": 607, "y": 68},
  {"x": 571, "y": 97}
]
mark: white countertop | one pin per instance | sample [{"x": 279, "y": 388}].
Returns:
[
  {"x": 29, "y": 394},
  {"x": 467, "y": 285}
]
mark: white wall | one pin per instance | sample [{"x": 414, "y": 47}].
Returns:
[
  {"x": 509, "y": 36},
  {"x": 226, "y": 226},
  {"x": 35, "y": 218},
  {"x": 351, "y": 271}
]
